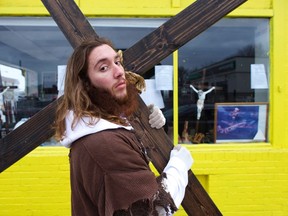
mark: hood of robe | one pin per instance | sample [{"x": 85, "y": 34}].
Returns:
[{"x": 83, "y": 128}]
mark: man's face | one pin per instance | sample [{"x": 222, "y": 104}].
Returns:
[{"x": 106, "y": 72}]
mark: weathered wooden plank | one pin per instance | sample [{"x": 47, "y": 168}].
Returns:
[
  {"x": 76, "y": 28},
  {"x": 176, "y": 32},
  {"x": 27, "y": 136},
  {"x": 196, "y": 201},
  {"x": 70, "y": 20}
]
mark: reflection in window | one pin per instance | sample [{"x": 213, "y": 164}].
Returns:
[
  {"x": 33, "y": 51},
  {"x": 215, "y": 67},
  {"x": 221, "y": 57}
]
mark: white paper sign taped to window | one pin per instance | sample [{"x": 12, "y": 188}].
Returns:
[
  {"x": 61, "y": 71},
  {"x": 151, "y": 95},
  {"x": 164, "y": 77},
  {"x": 258, "y": 77}
]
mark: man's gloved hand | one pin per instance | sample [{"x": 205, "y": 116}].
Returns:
[
  {"x": 182, "y": 154},
  {"x": 156, "y": 118}
]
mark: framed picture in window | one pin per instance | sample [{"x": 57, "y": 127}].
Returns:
[{"x": 240, "y": 122}]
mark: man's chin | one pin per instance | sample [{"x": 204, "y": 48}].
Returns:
[
  {"x": 121, "y": 99},
  {"x": 128, "y": 100}
]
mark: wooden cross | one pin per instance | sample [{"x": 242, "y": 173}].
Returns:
[{"x": 139, "y": 58}]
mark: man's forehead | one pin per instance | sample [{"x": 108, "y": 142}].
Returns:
[{"x": 102, "y": 53}]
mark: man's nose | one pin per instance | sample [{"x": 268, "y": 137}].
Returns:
[{"x": 118, "y": 71}]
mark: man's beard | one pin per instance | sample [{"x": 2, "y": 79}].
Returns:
[{"x": 113, "y": 105}]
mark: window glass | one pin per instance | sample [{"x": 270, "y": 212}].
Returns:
[
  {"x": 33, "y": 50},
  {"x": 227, "y": 64}
]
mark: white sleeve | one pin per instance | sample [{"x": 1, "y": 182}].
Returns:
[
  {"x": 162, "y": 212},
  {"x": 177, "y": 173}
]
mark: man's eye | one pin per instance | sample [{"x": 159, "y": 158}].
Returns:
[
  {"x": 118, "y": 62},
  {"x": 104, "y": 68}
]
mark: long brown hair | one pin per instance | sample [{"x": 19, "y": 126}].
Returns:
[{"x": 76, "y": 97}]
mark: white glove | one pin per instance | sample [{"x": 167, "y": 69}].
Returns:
[
  {"x": 156, "y": 118},
  {"x": 181, "y": 153},
  {"x": 177, "y": 173}
]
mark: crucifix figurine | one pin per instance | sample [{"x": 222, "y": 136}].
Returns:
[{"x": 201, "y": 99}]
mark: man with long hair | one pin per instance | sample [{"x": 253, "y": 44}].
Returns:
[{"x": 109, "y": 168}]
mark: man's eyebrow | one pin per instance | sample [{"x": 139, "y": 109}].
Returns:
[
  {"x": 100, "y": 61},
  {"x": 106, "y": 59}
]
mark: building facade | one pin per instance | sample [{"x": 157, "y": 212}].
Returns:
[{"x": 239, "y": 142}]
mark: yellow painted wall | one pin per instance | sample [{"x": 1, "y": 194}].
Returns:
[
  {"x": 242, "y": 179},
  {"x": 124, "y": 7},
  {"x": 38, "y": 184}
]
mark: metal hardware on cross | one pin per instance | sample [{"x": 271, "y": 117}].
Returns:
[{"x": 139, "y": 58}]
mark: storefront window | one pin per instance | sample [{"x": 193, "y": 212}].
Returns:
[
  {"x": 229, "y": 65},
  {"x": 230, "y": 60},
  {"x": 32, "y": 53}
]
